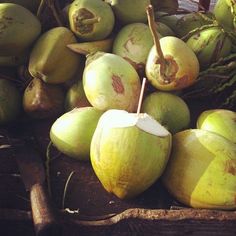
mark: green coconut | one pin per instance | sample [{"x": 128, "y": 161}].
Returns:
[
  {"x": 10, "y": 101},
  {"x": 168, "y": 109},
  {"x": 75, "y": 97},
  {"x": 72, "y": 132},
  {"x": 210, "y": 45},
  {"x": 181, "y": 65},
  {"x": 133, "y": 42},
  {"x": 192, "y": 21},
  {"x": 165, "y": 18},
  {"x": 51, "y": 60},
  {"x": 220, "y": 121},
  {"x": 31, "y": 5},
  {"x": 224, "y": 11},
  {"x": 129, "y": 152},
  {"x": 129, "y": 11},
  {"x": 19, "y": 29},
  {"x": 164, "y": 30},
  {"x": 110, "y": 82},
  {"x": 91, "y": 20},
  {"x": 201, "y": 170}
]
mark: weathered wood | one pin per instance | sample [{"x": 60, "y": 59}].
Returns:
[
  {"x": 142, "y": 222},
  {"x": 132, "y": 213}
]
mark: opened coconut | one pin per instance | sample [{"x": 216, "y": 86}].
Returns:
[{"x": 129, "y": 152}]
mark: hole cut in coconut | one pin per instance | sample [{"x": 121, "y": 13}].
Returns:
[{"x": 120, "y": 118}]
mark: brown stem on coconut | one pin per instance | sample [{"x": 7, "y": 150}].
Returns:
[
  {"x": 152, "y": 26},
  {"x": 141, "y": 95}
]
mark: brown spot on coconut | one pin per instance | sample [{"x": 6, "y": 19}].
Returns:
[
  {"x": 99, "y": 83},
  {"x": 117, "y": 84},
  {"x": 230, "y": 167},
  {"x": 133, "y": 42}
]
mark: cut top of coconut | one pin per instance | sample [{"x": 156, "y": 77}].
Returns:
[{"x": 120, "y": 119}]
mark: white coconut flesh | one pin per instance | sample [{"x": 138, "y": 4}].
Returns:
[{"x": 121, "y": 118}]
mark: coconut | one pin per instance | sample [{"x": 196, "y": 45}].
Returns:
[
  {"x": 181, "y": 65},
  {"x": 31, "y": 5},
  {"x": 164, "y": 30},
  {"x": 165, "y": 18},
  {"x": 129, "y": 11},
  {"x": 19, "y": 29},
  {"x": 210, "y": 45},
  {"x": 129, "y": 152},
  {"x": 75, "y": 97},
  {"x": 42, "y": 100},
  {"x": 168, "y": 109},
  {"x": 133, "y": 42},
  {"x": 72, "y": 132},
  {"x": 107, "y": 86},
  {"x": 224, "y": 11},
  {"x": 91, "y": 20},
  {"x": 51, "y": 60},
  {"x": 201, "y": 172},
  {"x": 220, "y": 121},
  {"x": 10, "y": 101},
  {"x": 191, "y": 21}
]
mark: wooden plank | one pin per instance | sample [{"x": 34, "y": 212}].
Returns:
[{"x": 140, "y": 222}]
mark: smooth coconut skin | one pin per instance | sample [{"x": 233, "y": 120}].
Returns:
[
  {"x": 182, "y": 70},
  {"x": 168, "y": 109},
  {"x": 81, "y": 11},
  {"x": 10, "y": 101},
  {"x": 75, "y": 97},
  {"x": 220, "y": 121},
  {"x": 169, "y": 20},
  {"x": 19, "y": 29},
  {"x": 201, "y": 171},
  {"x": 164, "y": 30},
  {"x": 50, "y": 59},
  {"x": 72, "y": 132},
  {"x": 110, "y": 82},
  {"x": 126, "y": 159},
  {"x": 223, "y": 11},
  {"x": 130, "y": 11},
  {"x": 32, "y": 5}
]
